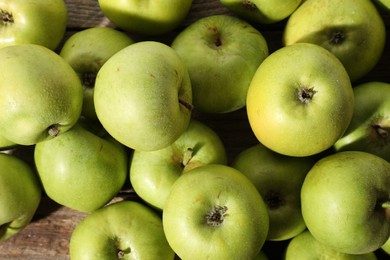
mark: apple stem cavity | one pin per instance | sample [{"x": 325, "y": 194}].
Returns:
[
  {"x": 6, "y": 17},
  {"x": 337, "y": 37},
  {"x": 187, "y": 157},
  {"x": 305, "y": 95},
  {"x": 273, "y": 200},
  {"x": 53, "y": 130},
  {"x": 88, "y": 79},
  {"x": 216, "y": 216}
]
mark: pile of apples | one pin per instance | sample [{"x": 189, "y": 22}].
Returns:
[{"x": 101, "y": 109}]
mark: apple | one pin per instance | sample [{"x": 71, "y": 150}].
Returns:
[
  {"x": 386, "y": 246},
  {"x": 278, "y": 178},
  {"x": 222, "y": 53},
  {"x": 262, "y": 11},
  {"x": 41, "y": 95},
  {"x": 305, "y": 247},
  {"x": 40, "y": 22},
  {"x": 143, "y": 96},
  {"x": 20, "y": 195},
  {"x": 5, "y": 143},
  {"x": 152, "y": 173},
  {"x": 369, "y": 129},
  {"x": 353, "y": 30},
  {"x": 300, "y": 100},
  {"x": 215, "y": 212},
  {"x": 382, "y": 5},
  {"x": 124, "y": 229},
  {"x": 146, "y": 17},
  {"x": 80, "y": 169},
  {"x": 345, "y": 201},
  {"x": 86, "y": 51}
]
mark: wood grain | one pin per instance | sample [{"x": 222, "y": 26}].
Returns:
[{"x": 47, "y": 236}]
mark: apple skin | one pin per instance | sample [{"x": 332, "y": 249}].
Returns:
[
  {"x": 305, "y": 247},
  {"x": 386, "y": 247},
  {"x": 5, "y": 143},
  {"x": 81, "y": 170},
  {"x": 300, "y": 100},
  {"x": 124, "y": 229},
  {"x": 143, "y": 96},
  {"x": 262, "y": 11},
  {"x": 369, "y": 130},
  {"x": 383, "y": 5},
  {"x": 342, "y": 28},
  {"x": 221, "y": 53},
  {"x": 278, "y": 179},
  {"x": 345, "y": 201},
  {"x": 41, "y": 22},
  {"x": 86, "y": 51},
  {"x": 215, "y": 212},
  {"x": 41, "y": 94},
  {"x": 146, "y": 17},
  {"x": 152, "y": 173},
  {"x": 20, "y": 195}
]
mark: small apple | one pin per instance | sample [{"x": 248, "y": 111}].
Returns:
[
  {"x": 122, "y": 230},
  {"x": 41, "y": 95},
  {"x": 305, "y": 247},
  {"x": 152, "y": 173},
  {"x": 222, "y": 53},
  {"x": 215, "y": 212},
  {"x": 20, "y": 195},
  {"x": 300, "y": 100},
  {"x": 80, "y": 169},
  {"x": 262, "y": 11},
  {"x": 143, "y": 96},
  {"x": 369, "y": 129},
  {"x": 353, "y": 30},
  {"x": 86, "y": 51},
  {"x": 345, "y": 201},
  {"x": 40, "y": 22},
  {"x": 278, "y": 178},
  {"x": 146, "y": 17}
]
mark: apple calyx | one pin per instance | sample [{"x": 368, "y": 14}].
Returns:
[
  {"x": 336, "y": 37},
  {"x": 273, "y": 199},
  {"x": 6, "y": 17},
  {"x": 53, "y": 130},
  {"x": 216, "y": 216},
  {"x": 122, "y": 253},
  {"x": 187, "y": 156},
  {"x": 88, "y": 79},
  {"x": 305, "y": 95},
  {"x": 248, "y": 5}
]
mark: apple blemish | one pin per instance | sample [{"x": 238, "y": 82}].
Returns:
[
  {"x": 216, "y": 216},
  {"x": 6, "y": 17}
]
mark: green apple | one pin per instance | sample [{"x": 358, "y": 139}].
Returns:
[
  {"x": 122, "y": 230},
  {"x": 369, "y": 129},
  {"x": 352, "y": 30},
  {"x": 262, "y": 11},
  {"x": 86, "y": 51},
  {"x": 5, "y": 143},
  {"x": 41, "y": 95},
  {"x": 278, "y": 178},
  {"x": 40, "y": 22},
  {"x": 345, "y": 201},
  {"x": 80, "y": 169},
  {"x": 305, "y": 247},
  {"x": 215, "y": 212},
  {"x": 143, "y": 96},
  {"x": 20, "y": 195},
  {"x": 152, "y": 173},
  {"x": 386, "y": 247},
  {"x": 146, "y": 17},
  {"x": 222, "y": 53},
  {"x": 383, "y": 5},
  {"x": 300, "y": 100}
]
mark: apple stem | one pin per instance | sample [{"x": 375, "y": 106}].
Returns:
[
  {"x": 186, "y": 105},
  {"x": 187, "y": 156},
  {"x": 385, "y": 205}
]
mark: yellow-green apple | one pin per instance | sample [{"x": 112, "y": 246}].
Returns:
[
  {"x": 369, "y": 129},
  {"x": 345, "y": 201},
  {"x": 152, "y": 173},
  {"x": 278, "y": 178},
  {"x": 383, "y": 5},
  {"x": 41, "y": 95},
  {"x": 222, "y": 53},
  {"x": 20, "y": 195},
  {"x": 305, "y": 247},
  {"x": 80, "y": 169},
  {"x": 122, "y": 230},
  {"x": 215, "y": 212},
  {"x": 143, "y": 96},
  {"x": 300, "y": 100},
  {"x": 386, "y": 247},
  {"x": 353, "y": 30},
  {"x": 146, "y": 17},
  {"x": 40, "y": 22},
  {"x": 86, "y": 51},
  {"x": 5, "y": 143},
  {"x": 262, "y": 11}
]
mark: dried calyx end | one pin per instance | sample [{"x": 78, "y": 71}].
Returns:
[
  {"x": 216, "y": 216},
  {"x": 305, "y": 95},
  {"x": 336, "y": 37},
  {"x": 88, "y": 79},
  {"x": 6, "y": 17},
  {"x": 123, "y": 252},
  {"x": 274, "y": 200},
  {"x": 248, "y": 5},
  {"x": 53, "y": 130}
]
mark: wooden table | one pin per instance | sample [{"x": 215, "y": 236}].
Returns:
[{"x": 47, "y": 237}]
